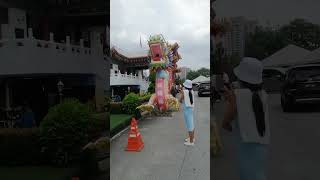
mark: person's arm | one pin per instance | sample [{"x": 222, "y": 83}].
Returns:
[{"x": 230, "y": 109}]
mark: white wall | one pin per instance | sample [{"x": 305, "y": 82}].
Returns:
[
  {"x": 28, "y": 58},
  {"x": 118, "y": 79}
]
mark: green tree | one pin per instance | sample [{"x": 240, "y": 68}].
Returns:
[
  {"x": 264, "y": 42},
  {"x": 204, "y": 72},
  {"x": 192, "y": 74},
  {"x": 178, "y": 80},
  {"x": 302, "y": 33},
  {"x": 152, "y": 79}
]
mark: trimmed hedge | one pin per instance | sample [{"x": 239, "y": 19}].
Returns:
[
  {"x": 20, "y": 146},
  {"x": 130, "y": 103},
  {"x": 64, "y": 131},
  {"x": 116, "y": 108},
  {"x": 24, "y": 146},
  {"x": 145, "y": 98},
  {"x": 99, "y": 124}
]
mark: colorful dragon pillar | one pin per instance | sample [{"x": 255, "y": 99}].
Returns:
[{"x": 164, "y": 58}]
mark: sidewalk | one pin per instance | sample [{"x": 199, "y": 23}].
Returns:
[{"x": 164, "y": 155}]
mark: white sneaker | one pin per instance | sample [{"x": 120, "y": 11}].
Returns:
[
  {"x": 189, "y": 143},
  {"x": 188, "y": 139}
]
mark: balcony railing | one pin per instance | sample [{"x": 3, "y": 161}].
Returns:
[
  {"x": 34, "y": 56},
  {"x": 117, "y": 79}
]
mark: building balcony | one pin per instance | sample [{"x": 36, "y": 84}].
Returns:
[
  {"x": 33, "y": 56},
  {"x": 118, "y": 79}
]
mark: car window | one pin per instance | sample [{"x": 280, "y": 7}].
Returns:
[
  {"x": 204, "y": 84},
  {"x": 305, "y": 74}
]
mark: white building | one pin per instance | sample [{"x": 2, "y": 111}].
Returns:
[
  {"x": 126, "y": 73},
  {"x": 234, "y": 39}
]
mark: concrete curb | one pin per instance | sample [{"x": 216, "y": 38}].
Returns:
[
  {"x": 119, "y": 134},
  {"x": 125, "y": 129}
]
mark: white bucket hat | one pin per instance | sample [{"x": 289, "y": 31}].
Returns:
[
  {"x": 249, "y": 70},
  {"x": 188, "y": 84}
]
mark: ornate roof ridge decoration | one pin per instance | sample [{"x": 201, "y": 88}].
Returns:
[{"x": 145, "y": 60}]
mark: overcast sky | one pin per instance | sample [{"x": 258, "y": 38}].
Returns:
[
  {"x": 276, "y": 11},
  {"x": 183, "y": 21}
]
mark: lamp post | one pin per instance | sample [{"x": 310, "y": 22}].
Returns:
[{"x": 60, "y": 87}]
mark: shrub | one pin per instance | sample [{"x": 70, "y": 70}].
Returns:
[
  {"x": 151, "y": 88},
  {"x": 116, "y": 108},
  {"x": 19, "y": 146},
  {"x": 130, "y": 103},
  {"x": 64, "y": 131},
  {"x": 107, "y": 106},
  {"x": 145, "y": 98},
  {"x": 91, "y": 155},
  {"x": 99, "y": 124}
]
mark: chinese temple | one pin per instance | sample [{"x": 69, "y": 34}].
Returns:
[{"x": 126, "y": 73}]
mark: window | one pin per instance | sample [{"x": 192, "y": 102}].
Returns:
[{"x": 19, "y": 33}]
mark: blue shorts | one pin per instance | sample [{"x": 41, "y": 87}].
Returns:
[{"x": 188, "y": 117}]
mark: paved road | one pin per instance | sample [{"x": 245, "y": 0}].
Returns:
[
  {"x": 294, "y": 150},
  {"x": 164, "y": 155}
]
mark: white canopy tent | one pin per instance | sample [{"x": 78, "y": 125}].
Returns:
[
  {"x": 313, "y": 57},
  {"x": 200, "y": 79},
  {"x": 287, "y": 56}
]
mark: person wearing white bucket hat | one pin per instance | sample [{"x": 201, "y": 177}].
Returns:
[
  {"x": 247, "y": 107},
  {"x": 187, "y": 100}
]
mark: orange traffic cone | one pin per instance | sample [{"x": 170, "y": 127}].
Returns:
[{"x": 135, "y": 142}]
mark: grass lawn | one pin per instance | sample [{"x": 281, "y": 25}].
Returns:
[
  {"x": 35, "y": 173},
  {"x": 100, "y": 115},
  {"x": 118, "y": 119}
]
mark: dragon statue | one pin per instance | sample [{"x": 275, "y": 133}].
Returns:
[{"x": 164, "y": 58}]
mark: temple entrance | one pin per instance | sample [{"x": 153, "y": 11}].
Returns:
[{"x": 122, "y": 91}]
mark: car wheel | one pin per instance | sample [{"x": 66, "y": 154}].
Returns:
[
  {"x": 286, "y": 105},
  {"x": 199, "y": 94}
]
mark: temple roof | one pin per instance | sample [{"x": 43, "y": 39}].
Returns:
[{"x": 134, "y": 60}]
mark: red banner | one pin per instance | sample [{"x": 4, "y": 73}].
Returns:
[{"x": 160, "y": 92}]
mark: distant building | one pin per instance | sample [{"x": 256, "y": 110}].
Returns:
[
  {"x": 183, "y": 72},
  {"x": 234, "y": 39}
]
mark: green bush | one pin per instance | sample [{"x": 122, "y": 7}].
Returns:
[
  {"x": 145, "y": 97},
  {"x": 64, "y": 131},
  {"x": 91, "y": 155},
  {"x": 99, "y": 124},
  {"x": 151, "y": 88},
  {"x": 130, "y": 103},
  {"x": 116, "y": 108},
  {"x": 19, "y": 147},
  {"x": 107, "y": 106}
]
